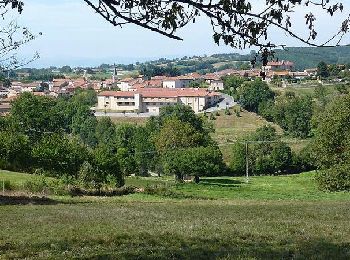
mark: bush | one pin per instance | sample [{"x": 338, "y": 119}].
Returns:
[
  {"x": 217, "y": 113},
  {"x": 77, "y": 191},
  {"x": 43, "y": 185},
  {"x": 6, "y": 185},
  {"x": 212, "y": 117},
  {"x": 228, "y": 112},
  {"x": 238, "y": 112},
  {"x": 336, "y": 178}
]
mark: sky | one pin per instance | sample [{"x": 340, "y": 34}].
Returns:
[{"x": 73, "y": 34}]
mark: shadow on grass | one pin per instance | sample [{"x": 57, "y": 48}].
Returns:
[
  {"x": 175, "y": 247},
  {"x": 221, "y": 182},
  {"x": 25, "y": 200}
]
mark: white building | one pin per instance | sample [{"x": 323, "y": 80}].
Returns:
[{"x": 152, "y": 99}]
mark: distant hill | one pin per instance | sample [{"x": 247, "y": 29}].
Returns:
[{"x": 308, "y": 57}]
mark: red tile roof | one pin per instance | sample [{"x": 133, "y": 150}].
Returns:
[
  {"x": 161, "y": 93},
  {"x": 280, "y": 63}
]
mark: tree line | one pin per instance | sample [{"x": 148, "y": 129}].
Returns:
[
  {"x": 321, "y": 118},
  {"x": 62, "y": 138}
]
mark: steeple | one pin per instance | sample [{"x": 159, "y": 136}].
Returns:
[{"x": 114, "y": 73}]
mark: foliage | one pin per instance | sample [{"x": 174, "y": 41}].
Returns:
[
  {"x": 35, "y": 115},
  {"x": 266, "y": 155},
  {"x": 15, "y": 151},
  {"x": 251, "y": 94},
  {"x": 336, "y": 178},
  {"x": 239, "y": 24},
  {"x": 332, "y": 139},
  {"x": 106, "y": 161},
  {"x": 197, "y": 161},
  {"x": 175, "y": 134},
  {"x": 231, "y": 84},
  {"x": 294, "y": 115},
  {"x": 59, "y": 154},
  {"x": 322, "y": 70}
]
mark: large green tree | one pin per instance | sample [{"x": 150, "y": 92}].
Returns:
[
  {"x": 36, "y": 115},
  {"x": 253, "y": 93}
]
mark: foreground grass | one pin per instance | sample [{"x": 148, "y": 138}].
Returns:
[
  {"x": 282, "y": 217},
  {"x": 289, "y": 187},
  {"x": 177, "y": 230}
]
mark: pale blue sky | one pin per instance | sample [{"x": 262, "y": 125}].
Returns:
[{"x": 73, "y": 34}]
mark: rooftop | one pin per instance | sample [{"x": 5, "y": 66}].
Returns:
[{"x": 161, "y": 92}]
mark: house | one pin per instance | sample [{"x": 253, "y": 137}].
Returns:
[
  {"x": 127, "y": 83},
  {"x": 180, "y": 81},
  {"x": 152, "y": 99},
  {"x": 5, "y": 106},
  {"x": 3, "y": 92},
  {"x": 279, "y": 65},
  {"x": 214, "y": 81}
]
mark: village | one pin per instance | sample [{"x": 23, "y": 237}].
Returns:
[{"x": 120, "y": 94}]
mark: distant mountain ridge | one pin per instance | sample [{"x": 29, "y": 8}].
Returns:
[{"x": 308, "y": 57}]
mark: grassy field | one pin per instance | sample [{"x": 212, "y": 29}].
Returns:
[
  {"x": 221, "y": 218},
  {"x": 229, "y": 128}
]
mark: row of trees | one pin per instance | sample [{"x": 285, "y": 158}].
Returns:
[
  {"x": 323, "y": 117},
  {"x": 293, "y": 113},
  {"x": 267, "y": 154},
  {"x": 61, "y": 137}
]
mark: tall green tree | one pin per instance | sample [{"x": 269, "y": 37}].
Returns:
[
  {"x": 322, "y": 70},
  {"x": 35, "y": 115},
  {"x": 252, "y": 93}
]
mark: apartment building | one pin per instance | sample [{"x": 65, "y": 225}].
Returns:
[{"x": 152, "y": 99}]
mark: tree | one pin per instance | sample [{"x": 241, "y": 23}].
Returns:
[
  {"x": 196, "y": 161},
  {"x": 144, "y": 151},
  {"x": 239, "y": 23},
  {"x": 59, "y": 154},
  {"x": 35, "y": 115},
  {"x": 266, "y": 154},
  {"x": 231, "y": 84},
  {"x": 15, "y": 151},
  {"x": 251, "y": 94},
  {"x": 294, "y": 115},
  {"x": 331, "y": 146},
  {"x": 322, "y": 70},
  {"x": 106, "y": 161},
  {"x": 66, "y": 69},
  {"x": 175, "y": 134},
  {"x": 13, "y": 37},
  {"x": 332, "y": 139},
  {"x": 106, "y": 132}
]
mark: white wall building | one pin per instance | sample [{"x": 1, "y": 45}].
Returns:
[{"x": 152, "y": 99}]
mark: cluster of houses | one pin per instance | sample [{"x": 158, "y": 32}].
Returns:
[{"x": 149, "y": 95}]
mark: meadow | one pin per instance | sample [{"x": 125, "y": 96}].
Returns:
[{"x": 271, "y": 217}]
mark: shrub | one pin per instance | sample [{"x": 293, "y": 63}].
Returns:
[
  {"x": 217, "y": 113},
  {"x": 238, "y": 112},
  {"x": 6, "y": 185},
  {"x": 77, "y": 191},
  {"x": 336, "y": 178},
  {"x": 43, "y": 185},
  {"x": 228, "y": 112},
  {"x": 212, "y": 117}
]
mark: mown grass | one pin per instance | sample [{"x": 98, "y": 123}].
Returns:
[
  {"x": 176, "y": 230},
  {"x": 302, "y": 187},
  {"x": 282, "y": 217}
]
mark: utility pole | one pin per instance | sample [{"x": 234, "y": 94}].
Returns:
[{"x": 246, "y": 162}]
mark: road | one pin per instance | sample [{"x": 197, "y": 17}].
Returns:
[{"x": 227, "y": 102}]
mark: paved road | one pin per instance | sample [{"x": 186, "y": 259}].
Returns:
[{"x": 227, "y": 102}]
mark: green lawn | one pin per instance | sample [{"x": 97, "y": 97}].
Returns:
[{"x": 282, "y": 217}]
